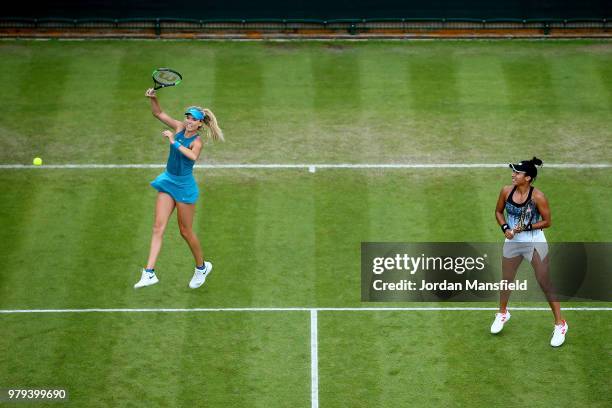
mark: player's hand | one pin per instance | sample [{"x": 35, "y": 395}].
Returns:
[
  {"x": 168, "y": 134},
  {"x": 150, "y": 93},
  {"x": 509, "y": 233}
]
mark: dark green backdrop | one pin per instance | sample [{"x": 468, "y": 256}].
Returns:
[{"x": 320, "y": 9}]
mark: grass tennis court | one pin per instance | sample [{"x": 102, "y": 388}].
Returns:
[
  {"x": 372, "y": 102},
  {"x": 287, "y": 238}
]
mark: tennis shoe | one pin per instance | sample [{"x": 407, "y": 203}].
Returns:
[
  {"x": 500, "y": 320},
  {"x": 146, "y": 279},
  {"x": 559, "y": 333},
  {"x": 199, "y": 276}
]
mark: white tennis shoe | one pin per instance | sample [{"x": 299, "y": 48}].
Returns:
[
  {"x": 559, "y": 333},
  {"x": 500, "y": 320},
  {"x": 146, "y": 279},
  {"x": 199, "y": 276}
]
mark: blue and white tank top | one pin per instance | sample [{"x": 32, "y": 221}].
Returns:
[{"x": 513, "y": 215}]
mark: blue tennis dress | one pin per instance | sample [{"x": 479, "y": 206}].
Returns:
[{"x": 178, "y": 180}]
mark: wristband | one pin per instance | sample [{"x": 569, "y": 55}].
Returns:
[
  {"x": 176, "y": 144},
  {"x": 505, "y": 227}
]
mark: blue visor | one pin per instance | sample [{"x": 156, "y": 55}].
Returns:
[{"x": 197, "y": 115}]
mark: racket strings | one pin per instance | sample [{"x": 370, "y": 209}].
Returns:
[
  {"x": 527, "y": 213},
  {"x": 166, "y": 78}
]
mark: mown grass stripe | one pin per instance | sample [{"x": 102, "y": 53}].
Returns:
[{"x": 339, "y": 228}]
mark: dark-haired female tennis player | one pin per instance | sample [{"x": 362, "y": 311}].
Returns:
[
  {"x": 176, "y": 186},
  {"x": 528, "y": 214}
]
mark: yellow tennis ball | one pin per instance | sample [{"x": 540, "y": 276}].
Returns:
[{"x": 37, "y": 161}]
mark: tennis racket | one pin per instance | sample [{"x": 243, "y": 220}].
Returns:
[
  {"x": 527, "y": 213},
  {"x": 163, "y": 77}
]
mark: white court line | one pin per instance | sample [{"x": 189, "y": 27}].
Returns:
[
  {"x": 288, "y": 309},
  {"x": 314, "y": 344},
  {"x": 307, "y": 166},
  {"x": 314, "y": 360}
]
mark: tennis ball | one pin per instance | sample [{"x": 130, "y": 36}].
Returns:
[{"x": 37, "y": 161}]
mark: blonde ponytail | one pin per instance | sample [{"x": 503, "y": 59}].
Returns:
[{"x": 213, "y": 130}]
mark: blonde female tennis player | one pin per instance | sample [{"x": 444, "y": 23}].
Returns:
[
  {"x": 528, "y": 214},
  {"x": 177, "y": 188}
]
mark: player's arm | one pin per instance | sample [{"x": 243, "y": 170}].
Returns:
[
  {"x": 192, "y": 152},
  {"x": 499, "y": 211},
  {"x": 543, "y": 209},
  {"x": 160, "y": 114}
]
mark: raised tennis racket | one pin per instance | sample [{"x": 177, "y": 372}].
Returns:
[{"x": 163, "y": 77}]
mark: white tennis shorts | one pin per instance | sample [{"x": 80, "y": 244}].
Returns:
[{"x": 525, "y": 243}]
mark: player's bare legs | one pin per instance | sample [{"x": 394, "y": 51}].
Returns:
[
  {"x": 185, "y": 214},
  {"x": 541, "y": 267},
  {"x": 509, "y": 269},
  {"x": 163, "y": 209}
]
